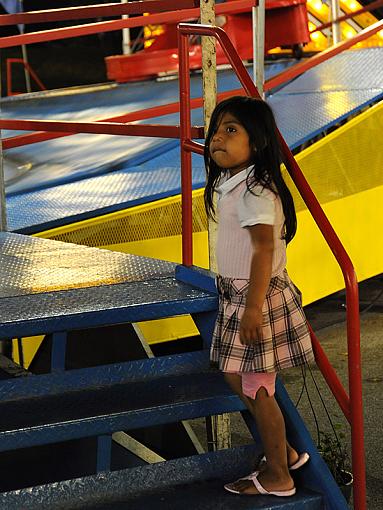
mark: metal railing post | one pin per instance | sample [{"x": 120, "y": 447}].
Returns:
[
  {"x": 258, "y": 16},
  {"x": 185, "y": 135},
  {"x": 335, "y": 27}
]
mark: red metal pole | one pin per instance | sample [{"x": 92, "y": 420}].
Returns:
[
  {"x": 9, "y": 78},
  {"x": 330, "y": 376},
  {"x": 356, "y": 395},
  {"x": 108, "y": 128},
  {"x": 185, "y": 136}
]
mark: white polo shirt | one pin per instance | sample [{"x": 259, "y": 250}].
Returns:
[{"x": 237, "y": 209}]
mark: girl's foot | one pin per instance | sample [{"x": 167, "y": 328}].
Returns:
[{"x": 269, "y": 482}]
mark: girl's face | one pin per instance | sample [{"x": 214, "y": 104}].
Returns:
[{"x": 229, "y": 146}]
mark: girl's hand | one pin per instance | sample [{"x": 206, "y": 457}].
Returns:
[{"x": 250, "y": 330}]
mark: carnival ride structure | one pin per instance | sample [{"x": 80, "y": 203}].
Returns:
[{"x": 346, "y": 194}]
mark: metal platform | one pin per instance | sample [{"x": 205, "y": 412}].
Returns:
[
  {"x": 321, "y": 98},
  {"x": 49, "y": 286}
]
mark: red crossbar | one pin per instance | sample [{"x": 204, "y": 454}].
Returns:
[
  {"x": 353, "y": 405},
  {"x": 96, "y": 11},
  {"x": 107, "y": 128},
  {"x": 148, "y": 113},
  {"x": 110, "y": 26}
]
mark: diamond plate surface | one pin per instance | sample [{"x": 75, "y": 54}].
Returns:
[
  {"x": 32, "y": 266},
  {"x": 48, "y": 286},
  {"x": 351, "y": 70},
  {"x": 115, "y": 191},
  {"x": 164, "y": 394},
  {"x": 321, "y": 110},
  {"x": 106, "y": 375}
]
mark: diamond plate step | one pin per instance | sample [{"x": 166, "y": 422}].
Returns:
[
  {"x": 129, "y": 403},
  {"x": 192, "y": 483}
]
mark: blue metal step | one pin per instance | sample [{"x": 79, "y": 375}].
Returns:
[
  {"x": 57, "y": 412},
  {"x": 192, "y": 483}
]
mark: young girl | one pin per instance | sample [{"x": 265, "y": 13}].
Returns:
[{"x": 261, "y": 327}]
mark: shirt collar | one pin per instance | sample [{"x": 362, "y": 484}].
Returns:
[{"x": 227, "y": 183}]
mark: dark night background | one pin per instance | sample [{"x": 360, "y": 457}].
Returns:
[{"x": 69, "y": 62}]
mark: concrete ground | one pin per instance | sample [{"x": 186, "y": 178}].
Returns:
[{"x": 328, "y": 320}]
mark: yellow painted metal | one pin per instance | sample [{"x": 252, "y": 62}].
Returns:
[
  {"x": 345, "y": 162},
  {"x": 160, "y": 219},
  {"x": 343, "y": 169},
  {"x": 30, "y": 346},
  {"x": 357, "y": 219}
]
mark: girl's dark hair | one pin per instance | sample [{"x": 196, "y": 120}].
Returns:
[{"x": 257, "y": 118}]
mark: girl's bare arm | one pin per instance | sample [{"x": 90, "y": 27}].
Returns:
[{"x": 260, "y": 274}]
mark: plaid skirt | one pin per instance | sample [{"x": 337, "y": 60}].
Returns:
[{"x": 286, "y": 339}]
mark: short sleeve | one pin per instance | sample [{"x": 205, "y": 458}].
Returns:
[{"x": 256, "y": 207}]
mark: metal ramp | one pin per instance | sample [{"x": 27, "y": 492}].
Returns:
[
  {"x": 43, "y": 291},
  {"x": 320, "y": 99}
]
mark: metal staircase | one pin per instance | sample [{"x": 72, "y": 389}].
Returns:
[{"x": 99, "y": 401}]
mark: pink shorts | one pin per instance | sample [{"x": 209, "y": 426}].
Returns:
[{"x": 253, "y": 381}]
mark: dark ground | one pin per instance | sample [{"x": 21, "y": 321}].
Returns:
[
  {"x": 59, "y": 64},
  {"x": 69, "y": 62}
]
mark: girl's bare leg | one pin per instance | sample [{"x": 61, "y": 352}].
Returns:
[
  {"x": 234, "y": 381},
  {"x": 271, "y": 427}
]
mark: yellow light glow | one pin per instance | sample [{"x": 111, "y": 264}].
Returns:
[
  {"x": 353, "y": 5},
  {"x": 349, "y": 32},
  {"x": 315, "y": 36},
  {"x": 317, "y": 5},
  {"x": 380, "y": 34}
]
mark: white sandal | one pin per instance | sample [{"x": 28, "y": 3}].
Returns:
[{"x": 229, "y": 487}]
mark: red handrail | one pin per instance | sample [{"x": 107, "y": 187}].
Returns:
[{"x": 352, "y": 405}]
